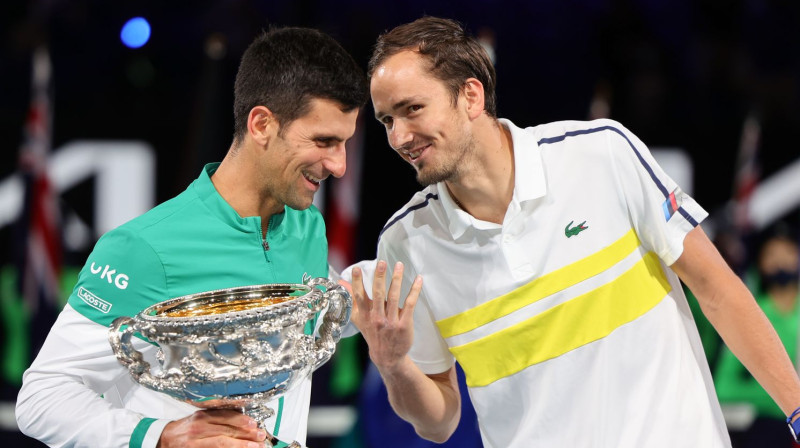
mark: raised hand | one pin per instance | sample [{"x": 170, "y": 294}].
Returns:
[
  {"x": 387, "y": 328},
  {"x": 213, "y": 428}
]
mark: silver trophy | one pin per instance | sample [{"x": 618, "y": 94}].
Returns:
[{"x": 236, "y": 348}]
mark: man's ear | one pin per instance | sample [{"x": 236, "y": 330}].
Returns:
[
  {"x": 262, "y": 125},
  {"x": 473, "y": 95}
]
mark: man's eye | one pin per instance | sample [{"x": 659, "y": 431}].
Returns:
[
  {"x": 387, "y": 121},
  {"x": 324, "y": 142},
  {"x": 414, "y": 108}
]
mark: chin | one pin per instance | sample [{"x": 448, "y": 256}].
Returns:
[
  {"x": 299, "y": 208},
  {"x": 432, "y": 177},
  {"x": 300, "y": 204}
]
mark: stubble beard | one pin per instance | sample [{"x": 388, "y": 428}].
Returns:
[
  {"x": 298, "y": 200},
  {"x": 289, "y": 195},
  {"x": 449, "y": 169}
]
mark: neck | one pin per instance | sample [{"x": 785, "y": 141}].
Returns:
[
  {"x": 485, "y": 189},
  {"x": 237, "y": 181}
]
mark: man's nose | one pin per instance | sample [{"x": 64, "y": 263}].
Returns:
[
  {"x": 399, "y": 135},
  {"x": 336, "y": 162}
]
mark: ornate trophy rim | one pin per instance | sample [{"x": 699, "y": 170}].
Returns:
[
  {"x": 239, "y": 359},
  {"x": 154, "y": 313}
]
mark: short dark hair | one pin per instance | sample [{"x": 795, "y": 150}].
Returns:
[
  {"x": 454, "y": 56},
  {"x": 285, "y": 68}
]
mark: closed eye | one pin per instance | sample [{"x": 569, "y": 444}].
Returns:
[{"x": 326, "y": 142}]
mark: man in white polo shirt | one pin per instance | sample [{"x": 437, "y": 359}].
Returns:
[{"x": 551, "y": 259}]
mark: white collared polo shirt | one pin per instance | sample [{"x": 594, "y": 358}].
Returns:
[{"x": 571, "y": 329}]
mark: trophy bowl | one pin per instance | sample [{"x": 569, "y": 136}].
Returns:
[{"x": 236, "y": 348}]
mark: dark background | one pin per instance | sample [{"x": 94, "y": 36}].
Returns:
[{"x": 678, "y": 73}]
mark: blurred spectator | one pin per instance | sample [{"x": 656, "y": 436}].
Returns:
[{"x": 778, "y": 263}]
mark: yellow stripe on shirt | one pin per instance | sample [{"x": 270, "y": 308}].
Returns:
[
  {"x": 565, "y": 327},
  {"x": 540, "y": 288}
]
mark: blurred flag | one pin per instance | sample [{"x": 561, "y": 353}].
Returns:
[
  {"x": 747, "y": 173},
  {"x": 341, "y": 220},
  {"x": 342, "y": 206},
  {"x": 38, "y": 240}
]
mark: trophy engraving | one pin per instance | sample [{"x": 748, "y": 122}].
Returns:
[{"x": 236, "y": 348}]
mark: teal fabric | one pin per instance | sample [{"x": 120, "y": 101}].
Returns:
[
  {"x": 139, "y": 432},
  {"x": 192, "y": 243}
]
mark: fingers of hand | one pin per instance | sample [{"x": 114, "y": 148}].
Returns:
[
  {"x": 379, "y": 289},
  {"x": 411, "y": 299},
  {"x": 346, "y": 286},
  {"x": 393, "y": 298},
  {"x": 218, "y": 424},
  {"x": 230, "y": 417},
  {"x": 247, "y": 434},
  {"x": 359, "y": 293}
]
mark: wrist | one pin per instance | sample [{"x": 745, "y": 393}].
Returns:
[
  {"x": 793, "y": 420},
  {"x": 148, "y": 433},
  {"x": 394, "y": 369}
]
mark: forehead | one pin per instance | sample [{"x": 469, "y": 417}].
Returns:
[
  {"x": 401, "y": 75},
  {"x": 326, "y": 117}
]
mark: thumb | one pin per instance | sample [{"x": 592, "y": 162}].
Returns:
[{"x": 346, "y": 285}]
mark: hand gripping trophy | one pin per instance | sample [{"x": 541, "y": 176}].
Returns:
[{"x": 235, "y": 348}]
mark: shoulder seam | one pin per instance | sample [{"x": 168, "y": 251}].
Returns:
[
  {"x": 139, "y": 237},
  {"x": 647, "y": 167},
  {"x": 410, "y": 209}
]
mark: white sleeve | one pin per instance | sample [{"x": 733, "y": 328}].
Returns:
[
  {"x": 367, "y": 270},
  {"x": 660, "y": 212},
  {"x": 60, "y": 402},
  {"x": 429, "y": 350}
]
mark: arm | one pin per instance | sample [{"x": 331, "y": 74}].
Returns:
[
  {"x": 60, "y": 399},
  {"x": 76, "y": 393},
  {"x": 735, "y": 385},
  {"x": 431, "y": 403},
  {"x": 736, "y": 316}
]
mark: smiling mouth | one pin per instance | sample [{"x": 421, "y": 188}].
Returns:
[
  {"x": 312, "y": 179},
  {"x": 416, "y": 153}
]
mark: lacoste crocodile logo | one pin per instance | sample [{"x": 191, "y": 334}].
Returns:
[{"x": 570, "y": 232}]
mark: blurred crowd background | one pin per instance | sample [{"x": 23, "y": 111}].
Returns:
[{"x": 106, "y": 131}]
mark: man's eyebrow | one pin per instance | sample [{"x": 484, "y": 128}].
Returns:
[
  {"x": 398, "y": 105},
  {"x": 335, "y": 138}
]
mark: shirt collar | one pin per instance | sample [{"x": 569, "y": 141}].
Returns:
[
  {"x": 457, "y": 219},
  {"x": 208, "y": 194},
  {"x": 529, "y": 182}
]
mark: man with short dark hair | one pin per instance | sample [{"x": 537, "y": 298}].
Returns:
[
  {"x": 551, "y": 259},
  {"x": 245, "y": 221}
]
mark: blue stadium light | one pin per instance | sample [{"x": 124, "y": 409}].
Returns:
[{"x": 135, "y": 32}]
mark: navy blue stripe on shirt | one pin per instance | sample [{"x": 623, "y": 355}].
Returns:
[
  {"x": 687, "y": 216},
  {"x": 428, "y": 197},
  {"x": 644, "y": 163}
]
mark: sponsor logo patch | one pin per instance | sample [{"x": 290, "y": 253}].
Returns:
[
  {"x": 121, "y": 280},
  {"x": 672, "y": 203},
  {"x": 570, "y": 232},
  {"x": 94, "y": 301}
]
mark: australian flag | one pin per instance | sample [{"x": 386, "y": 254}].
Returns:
[{"x": 37, "y": 234}]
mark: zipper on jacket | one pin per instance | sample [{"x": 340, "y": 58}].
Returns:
[{"x": 264, "y": 242}]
